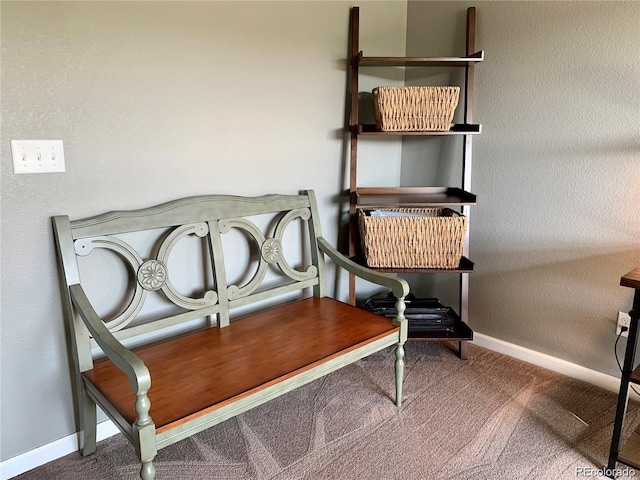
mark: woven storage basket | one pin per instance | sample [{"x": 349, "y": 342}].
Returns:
[
  {"x": 415, "y": 109},
  {"x": 412, "y": 237}
]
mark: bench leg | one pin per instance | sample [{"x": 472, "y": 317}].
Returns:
[
  {"x": 399, "y": 372},
  {"x": 89, "y": 424},
  {"x": 148, "y": 470},
  {"x": 144, "y": 432},
  {"x": 147, "y": 452}
]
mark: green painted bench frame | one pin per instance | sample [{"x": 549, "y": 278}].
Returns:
[{"x": 208, "y": 217}]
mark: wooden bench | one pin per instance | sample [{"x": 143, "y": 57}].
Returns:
[{"x": 162, "y": 277}]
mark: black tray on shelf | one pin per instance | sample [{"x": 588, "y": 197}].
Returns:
[{"x": 425, "y": 315}]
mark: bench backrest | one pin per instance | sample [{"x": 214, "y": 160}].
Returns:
[{"x": 194, "y": 258}]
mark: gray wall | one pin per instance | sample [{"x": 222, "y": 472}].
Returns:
[
  {"x": 154, "y": 101},
  {"x": 556, "y": 169}
]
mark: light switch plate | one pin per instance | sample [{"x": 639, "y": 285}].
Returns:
[{"x": 37, "y": 156}]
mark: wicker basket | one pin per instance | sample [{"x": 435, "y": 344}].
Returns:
[
  {"x": 415, "y": 109},
  {"x": 412, "y": 237}
]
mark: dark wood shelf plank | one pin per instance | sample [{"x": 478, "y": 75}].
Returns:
[
  {"x": 413, "y": 196},
  {"x": 461, "y": 331},
  {"x": 419, "y": 61},
  {"x": 456, "y": 129},
  {"x": 465, "y": 266}
]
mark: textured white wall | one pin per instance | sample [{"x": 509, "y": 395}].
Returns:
[
  {"x": 154, "y": 101},
  {"x": 556, "y": 169}
]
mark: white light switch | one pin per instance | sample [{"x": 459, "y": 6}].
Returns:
[{"x": 37, "y": 156}]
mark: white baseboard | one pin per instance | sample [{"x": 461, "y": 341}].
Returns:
[
  {"x": 52, "y": 451},
  {"x": 39, "y": 456},
  {"x": 543, "y": 360}
]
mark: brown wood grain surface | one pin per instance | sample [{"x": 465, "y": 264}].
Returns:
[
  {"x": 630, "y": 453},
  {"x": 202, "y": 371},
  {"x": 631, "y": 279}
]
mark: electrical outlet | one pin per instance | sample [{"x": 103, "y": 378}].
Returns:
[
  {"x": 624, "y": 320},
  {"x": 37, "y": 156}
]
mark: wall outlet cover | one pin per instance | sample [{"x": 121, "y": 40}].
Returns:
[{"x": 624, "y": 320}]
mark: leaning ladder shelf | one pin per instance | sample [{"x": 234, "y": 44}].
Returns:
[{"x": 360, "y": 197}]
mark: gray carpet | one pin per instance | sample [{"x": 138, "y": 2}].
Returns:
[{"x": 489, "y": 417}]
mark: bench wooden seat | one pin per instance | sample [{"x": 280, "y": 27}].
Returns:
[
  {"x": 247, "y": 356},
  {"x": 186, "y": 347}
]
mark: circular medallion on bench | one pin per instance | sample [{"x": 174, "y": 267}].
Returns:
[
  {"x": 271, "y": 250},
  {"x": 152, "y": 275}
]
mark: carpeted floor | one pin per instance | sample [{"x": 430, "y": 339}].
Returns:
[{"x": 489, "y": 417}]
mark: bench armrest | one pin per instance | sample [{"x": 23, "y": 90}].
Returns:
[
  {"x": 122, "y": 357},
  {"x": 398, "y": 286}
]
